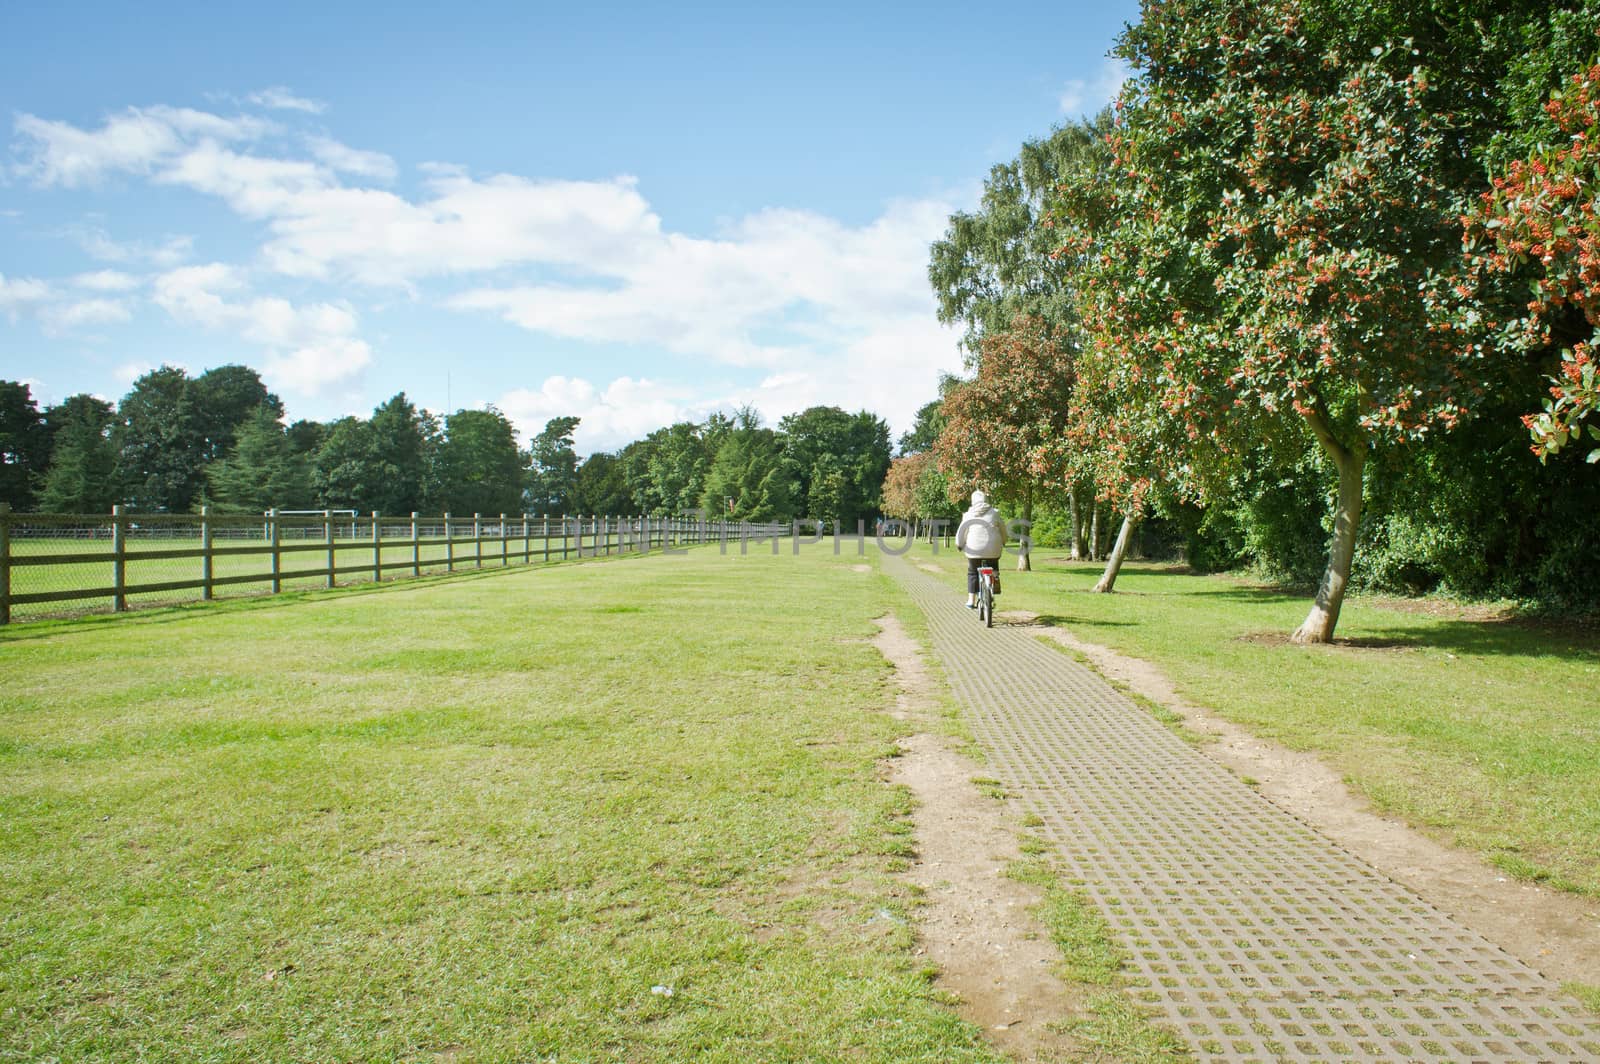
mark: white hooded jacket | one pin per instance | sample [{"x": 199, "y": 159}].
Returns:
[{"x": 982, "y": 532}]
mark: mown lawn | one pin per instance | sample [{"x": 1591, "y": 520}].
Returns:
[
  {"x": 1486, "y": 732},
  {"x": 626, "y": 810}
]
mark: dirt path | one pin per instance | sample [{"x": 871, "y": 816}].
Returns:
[{"x": 976, "y": 925}]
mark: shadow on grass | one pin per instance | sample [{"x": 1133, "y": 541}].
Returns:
[{"x": 1059, "y": 620}]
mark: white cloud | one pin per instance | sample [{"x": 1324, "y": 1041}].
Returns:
[
  {"x": 625, "y": 410},
  {"x": 280, "y": 98},
  {"x": 354, "y": 161},
  {"x": 136, "y": 141},
  {"x": 308, "y": 347},
  {"x": 65, "y": 317},
  {"x": 1086, "y": 97},
  {"x": 22, "y": 294},
  {"x": 106, "y": 281},
  {"x": 98, "y": 244},
  {"x": 128, "y": 372}
]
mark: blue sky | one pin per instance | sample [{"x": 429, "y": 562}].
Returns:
[{"x": 633, "y": 214}]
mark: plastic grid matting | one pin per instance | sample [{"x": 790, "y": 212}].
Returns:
[{"x": 1256, "y": 938}]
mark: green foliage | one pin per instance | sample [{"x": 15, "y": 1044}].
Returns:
[
  {"x": 553, "y": 478},
  {"x": 160, "y": 442},
  {"x": 24, "y": 445},
  {"x": 842, "y": 459},
  {"x": 752, "y": 478},
  {"x": 82, "y": 474},
  {"x": 999, "y": 262},
  {"x": 481, "y": 469},
  {"x": 602, "y": 487},
  {"x": 924, "y": 432},
  {"x": 402, "y": 441},
  {"x": 262, "y": 472}
]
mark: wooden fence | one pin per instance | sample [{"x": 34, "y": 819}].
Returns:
[{"x": 96, "y": 562}]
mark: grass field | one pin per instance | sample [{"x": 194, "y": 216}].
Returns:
[
  {"x": 1485, "y": 732},
  {"x": 624, "y": 810}
]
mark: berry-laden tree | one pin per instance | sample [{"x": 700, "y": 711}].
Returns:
[
  {"x": 1315, "y": 170},
  {"x": 1539, "y": 222},
  {"x": 1001, "y": 426}
]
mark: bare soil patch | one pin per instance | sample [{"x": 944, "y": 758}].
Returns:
[
  {"x": 1282, "y": 639},
  {"x": 1551, "y": 931},
  {"x": 976, "y": 925}
]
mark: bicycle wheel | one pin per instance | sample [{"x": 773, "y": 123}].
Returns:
[{"x": 986, "y": 603}]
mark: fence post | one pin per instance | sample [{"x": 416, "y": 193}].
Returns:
[
  {"x": 206, "y": 570},
  {"x": 416, "y": 547},
  {"x": 377, "y": 547},
  {"x": 546, "y": 537},
  {"x": 277, "y": 552},
  {"x": 505, "y": 559},
  {"x": 527, "y": 541},
  {"x": 327, "y": 527},
  {"x": 5, "y": 563},
  {"x": 119, "y": 559},
  {"x": 449, "y": 547}
]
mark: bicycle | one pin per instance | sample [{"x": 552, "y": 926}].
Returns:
[{"x": 986, "y": 576}]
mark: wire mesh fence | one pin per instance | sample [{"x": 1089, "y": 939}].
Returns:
[{"x": 55, "y": 565}]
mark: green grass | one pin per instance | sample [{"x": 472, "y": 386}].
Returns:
[
  {"x": 474, "y": 819},
  {"x": 1484, "y": 732}
]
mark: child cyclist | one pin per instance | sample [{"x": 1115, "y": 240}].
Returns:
[{"x": 981, "y": 537}]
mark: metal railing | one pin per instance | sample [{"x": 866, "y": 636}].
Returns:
[{"x": 62, "y": 564}]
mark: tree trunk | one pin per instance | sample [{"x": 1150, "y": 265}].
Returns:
[
  {"x": 1324, "y": 616},
  {"x": 1024, "y": 559},
  {"x": 1075, "y": 520},
  {"x": 1119, "y": 552},
  {"x": 1094, "y": 531}
]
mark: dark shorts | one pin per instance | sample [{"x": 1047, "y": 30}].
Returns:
[{"x": 973, "y": 565}]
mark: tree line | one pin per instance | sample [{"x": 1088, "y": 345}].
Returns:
[
  {"x": 176, "y": 443},
  {"x": 1317, "y": 295}
]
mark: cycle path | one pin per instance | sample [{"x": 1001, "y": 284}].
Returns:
[{"x": 1256, "y": 938}]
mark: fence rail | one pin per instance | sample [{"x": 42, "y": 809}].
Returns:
[{"x": 58, "y": 564}]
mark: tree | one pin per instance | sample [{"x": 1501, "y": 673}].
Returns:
[
  {"x": 24, "y": 445},
  {"x": 263, "y": 472},
  {"x": 224, "y": 399},
  {"x": 602, "y": 486},
  {"x": 1307, "y": 164},
  {"x": 482, "y": 469},
  {"x": 399, "y": 439},
  {"x": 752, "y": 478},
  {"x": 924, "y": 432},
  {"x": 553, "y": 480},
  {"x": 824, "y": 440},
  {"x": 82, "y": 475},
  {"x": 345, "y": 473},
  {"x": 1000, "y": 262},
  {"x": 160, "y": 442},
  {"x": 1539, "y": 223},
  {"x": 1002, "y": 427}
]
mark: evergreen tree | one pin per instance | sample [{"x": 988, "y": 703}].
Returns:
[
  {"x": 263, "y": 472},
  {"x": 24, "y": 445},
  {"x": 82, "y": 475}
]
